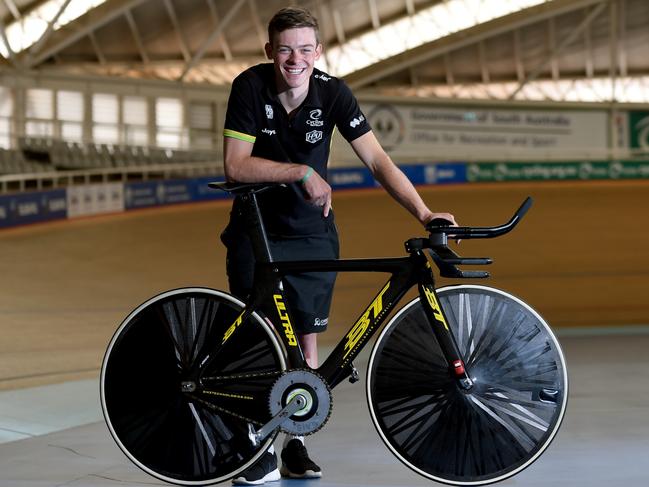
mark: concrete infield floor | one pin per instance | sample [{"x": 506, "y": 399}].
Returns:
[{"x": 579, "y": 257}]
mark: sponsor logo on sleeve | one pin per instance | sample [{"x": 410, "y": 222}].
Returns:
[{"x": 356, "y": 121}]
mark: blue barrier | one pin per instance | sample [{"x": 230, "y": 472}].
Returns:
[
  {"x": 360, "y": 177},
  {"x": 23, "y": 208},
  {"x": 169, "y": 192}
]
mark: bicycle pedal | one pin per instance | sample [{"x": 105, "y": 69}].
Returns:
[{"x": 354, "y": 375}]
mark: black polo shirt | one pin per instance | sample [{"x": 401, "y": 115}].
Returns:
[{"x": 256, "y": 115}]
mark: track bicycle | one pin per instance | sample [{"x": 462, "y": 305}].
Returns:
[{"x": 466, "y": 384}]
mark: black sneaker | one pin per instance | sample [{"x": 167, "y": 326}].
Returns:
[
  {"x": 296, "y": 463},
  {"x": 265, "y": 470}
]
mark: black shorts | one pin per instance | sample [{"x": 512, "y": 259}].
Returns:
[{"x": 308, "y": 294}]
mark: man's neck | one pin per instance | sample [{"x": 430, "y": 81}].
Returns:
[{"x": 292, "y": 98}]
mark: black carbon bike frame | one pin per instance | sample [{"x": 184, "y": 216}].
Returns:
[{"x": 414, "y": 269}]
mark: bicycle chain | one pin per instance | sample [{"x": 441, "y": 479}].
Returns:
[
  {"x": 223, "y": 410},
  {"x": 244, "y": 376}
]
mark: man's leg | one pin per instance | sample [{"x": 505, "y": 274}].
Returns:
[
  {"x": 309, "y": 298},
  {"x": 309, "y": 343}
]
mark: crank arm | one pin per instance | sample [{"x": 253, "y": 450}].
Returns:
[{"x": 293, "y": 406}]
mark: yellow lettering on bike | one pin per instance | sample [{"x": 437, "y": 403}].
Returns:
[
  {"x": 233, "y": 327},
  {"x": 434, "y": 304},
  {"x": 286, "y": 322},
  {"x": 363, "y": 323}
]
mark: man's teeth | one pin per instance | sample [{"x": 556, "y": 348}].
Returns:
[{"x": 295, "y": 71}]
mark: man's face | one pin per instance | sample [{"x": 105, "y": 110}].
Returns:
[{"x": 294, "y": 52}]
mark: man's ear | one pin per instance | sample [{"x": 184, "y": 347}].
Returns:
[
  {"x": 269, "y": 50},
  {"x": 318, "y": 51}
]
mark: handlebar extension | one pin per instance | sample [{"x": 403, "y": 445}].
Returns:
[{"x": 446, "y": 259}]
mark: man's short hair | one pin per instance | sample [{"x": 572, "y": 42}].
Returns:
[{"x": 292, "y": 18}]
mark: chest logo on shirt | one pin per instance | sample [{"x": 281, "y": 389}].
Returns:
[
  {"x": 269, "y": 112},
  {"x": 268, "y": 132},
  {"x": 314, "y": 118},
  {"x": 314, "y": 136}
]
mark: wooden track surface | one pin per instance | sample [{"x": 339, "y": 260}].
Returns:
[{"x": 580, "y": 257}]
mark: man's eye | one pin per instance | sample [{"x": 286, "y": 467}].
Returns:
[{"x": 284, "y": 50}]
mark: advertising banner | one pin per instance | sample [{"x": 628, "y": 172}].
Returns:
[
  {"x": 547, "y": 171},
  {"x": 348, "y": 178},
  {"x": 638, "y": 130},
  {"x": 95, "y": 199},
  {"x": 153, "y": 193},
  {"x": 38, "y": 206},
  {"x": 408, "y": 131}
]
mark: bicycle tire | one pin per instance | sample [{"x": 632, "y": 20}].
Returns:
[
  {"x": 186, "y": 438},
  {"x": 498, "y": 428}
]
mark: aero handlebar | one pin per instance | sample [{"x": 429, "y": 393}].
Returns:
[
  {"x": 446, "y": 259},
  {"x": 482, "y": 232}
]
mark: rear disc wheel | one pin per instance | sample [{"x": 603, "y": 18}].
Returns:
[{"x": 174, "y": 425}]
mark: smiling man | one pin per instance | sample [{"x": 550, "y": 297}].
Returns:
[{"x": 278, "y": 128}]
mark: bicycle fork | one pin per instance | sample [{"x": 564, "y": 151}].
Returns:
[{"x": 437, "y": 319}]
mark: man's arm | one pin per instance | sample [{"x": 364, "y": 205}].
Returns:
[
  {"x": 241, "y": 166},
  {"x": 392, "y": 178}
]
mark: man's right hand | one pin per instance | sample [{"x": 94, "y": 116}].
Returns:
[{"x": 318, "y": 192}]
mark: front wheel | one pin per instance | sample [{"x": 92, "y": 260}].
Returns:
[
  {"x": 180, "y": 393},
  {"x": 508, "y": 418}
]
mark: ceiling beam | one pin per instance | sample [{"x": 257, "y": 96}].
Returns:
[
  {"x": 338, "y": 26},
  {"x": 136, "y": 36},
  {"x": 179, "y": 33},
  {"x": 552, "y": 47},
  {"x": 482, "y": 59},
  {"x": 565, "y": 43},
  {"x": 613, "y": 47},
  {"x": 464, "y": 38},
  {"x": 227, "y": 52},
  {"x": 262, "y": 36},
  {"x": 589, "y": 63},
  {"x": 212, "y": 37},
  {"x": 374, "y": 14},
  {"x": 81, "y": 27},
  {"x": 11, "y": 6},
  {"x": 324, "y": 21},
  {"x": 448, "y": 71},
  {"x": 38, "y": 45},
  {"x": 98, "y": 52},
  {"x": 5, "y": 41},
  {"x": 622, "y": 54},
  {"x": 518, "y": 58},
  {"x": 410, "y": 7}
]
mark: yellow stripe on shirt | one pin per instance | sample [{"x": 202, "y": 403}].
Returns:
[{"x": 239, "y": 135}]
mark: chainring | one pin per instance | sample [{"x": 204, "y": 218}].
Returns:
[{"x": 315, "y": 390}]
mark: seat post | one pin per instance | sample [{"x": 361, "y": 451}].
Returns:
[{"x": 255, "y": 228}]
